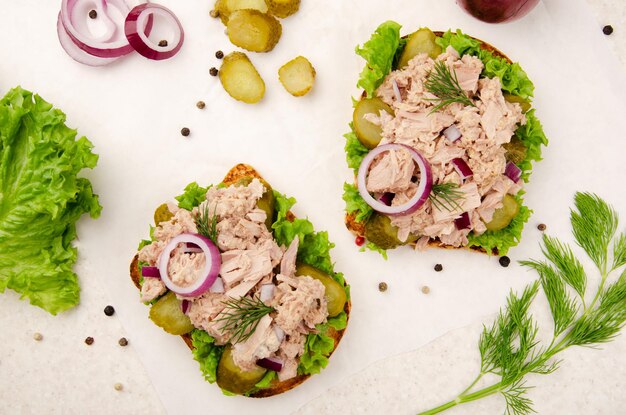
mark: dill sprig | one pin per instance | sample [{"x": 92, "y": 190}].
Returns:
[
  {"x": 443, "y": 83},
  {"x": 241, "y": 317},
  {"x": 510, "y": 348},
  {"x": 446, "y": 196},
  {"x": 206, "y": 224}
]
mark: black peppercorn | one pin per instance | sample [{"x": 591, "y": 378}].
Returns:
[
  {"x": 200, "y": 105},
  {"x": 185, "y": 132},
  {"x": 438, "y": 267},
  {"x": 213, "y": 71},
  {"x": 219, "y": 54},
  {"x": 163, "y": 43},
  {"x": 123, "y": 342},
  {"x": 607, "y": 30},
  {"x": 504, "y": 261},
  {"x": 541, "y": 227},
  {"x": 109, "y": 310},
  {"x": 89, "y": 341},
  {"x": 93, "y": 14},
  {"x": 382, "y": 287}
]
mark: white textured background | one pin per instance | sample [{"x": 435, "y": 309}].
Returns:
[{"x": 133, "y": 112}]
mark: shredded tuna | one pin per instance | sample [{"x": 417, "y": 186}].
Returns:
[
  {"x": 288, "y": 263},
  {"x": 261, "y": 344},
  {"x": 151, "y": 289},
  {"x": 300, "y": 304}
]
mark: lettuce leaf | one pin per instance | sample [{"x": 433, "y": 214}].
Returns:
[
  {"x": 316, "y": 349},
  {"x": 534, "y": 138},
  {"x": 513, "y": 78},
  {"x": 206, "y": 353},
  {"x": 267, "y": 380},
  {"x": 41, "y": 198},
  {"x": 194, "y": 195},
  {"x": 355, "y": 151},
  {"x": 379, "y": 53},
  {"x": 355, "y": 203}
]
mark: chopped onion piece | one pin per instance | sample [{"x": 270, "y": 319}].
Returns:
[
  {"x": 513, "y": 172},
  {"x": 462, "y": 168},
  {"x": 387, "y": 198},
  {"x": 184, "y": 306},
  {"x": 396, "y": 90},
  {"x": 150, "y": 272},
  {"x": 218, "y": 286},
  {"x": 138, "y": 18},
  {"x": 463, "y": 222},
  {"x": 267, "y": 292},
  {"x": 280, "y": 333},
  {"x": 208, "y": 274},
  {"x": 271, "y": 363},
  {"x": 423, "y": 189},
  {"x": 452, "y": 133}
]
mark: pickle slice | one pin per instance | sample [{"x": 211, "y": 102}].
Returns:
[
  {"x": 297, "y": 76},
  {"x": 162, "y": 214},
  {"x": 335, "y": 294},
  {"x": 167, "y": 314},
  {"x": 502, "y": 217},
  {"x": 422, "y": 41},
  {"x": 283, "y": 8},
  {"x": 253, "y": 30},
  {"x": 231, "y": 378},
  {"x": 381, "y": 232},
  {"x": 369, "y": 134},
  {"x": 515, "y": 150},
  {"x": 226, "y": 7},
  {"x": 525, "y": 104},
  {"x": 241, "y": 79}
]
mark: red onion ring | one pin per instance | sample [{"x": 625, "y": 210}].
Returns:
[
  {"x": 150, "y": 272},
  {"x": 77, "y": 53},
  {"x": 102, "y": 47},
  {"x": 138, "y": 17},
  {"x": 209, "y": 273},
  {"x": 423, "y": 189}
]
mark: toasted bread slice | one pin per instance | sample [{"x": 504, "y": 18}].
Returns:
[
  {"x": 358, "y": 228},
  {"x": 236, "y": 173}
]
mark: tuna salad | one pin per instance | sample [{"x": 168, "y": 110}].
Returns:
[
  {"x": 252, "y": 303},
  {"x": 441, "y": 144}
]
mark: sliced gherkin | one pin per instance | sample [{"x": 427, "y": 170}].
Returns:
[
  {"x": 502, "y": 217},
  {"x": 297, "y": 76},
  {"x": 525, "y": 104},
  {"x": 515, "y": 150},
  {"x": 335, "y": 294},
  {"x": 369, "y": 134},
  {"x": 162, "y": 214},
  {"x": 422, "y": 41},
  {"x": 226, "y": 7},
  {"x": 253, "y": 30},
  {"x": 232, "y": 379},
  {"x": 240, "y": 78},
  {"x": 167, "y": 314},
  {"x": 283, "y": 8},
  {"x": 383, "y": 234}
]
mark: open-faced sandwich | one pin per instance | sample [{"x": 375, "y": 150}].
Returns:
[
  {"x": 443, "y": 139},
  {"x": 250, "y": 288}
]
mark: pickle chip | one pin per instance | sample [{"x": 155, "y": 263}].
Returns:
[
  {"x": 297, "y": 76},
  {"x": 167, "y": 314},
  {"x": 240, "y": 78},
  {"x": 422, "y": 41},
  {"x": 283, "y": 8},
  {"x": 226, "y": 7},
  {"x": 502, "y": 217},
  {"x": 254, "y": 31}
]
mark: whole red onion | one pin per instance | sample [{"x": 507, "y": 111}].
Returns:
[{"x": 497, "y": 11}]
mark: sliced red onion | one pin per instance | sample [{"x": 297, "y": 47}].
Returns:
[
  {"x": 77, "y": 53},
  {"x": 387, "y": 198},
  {"x": 218, "y": 286},
  {"x": 513, "y": 172},
  {"x": 396, "y": 90},
  {"x": 209, "y": 273},
  {"x": 150, "y": 272},
  {"x": 271, "y": 363},
  {"x": 452, "y": 133},
  {"x": 463, "y": 222},
  {"x": 423, "y": 188},
  {"x": 192, "y": 249},
  {"x": 462, "y": 168},
  {"x": 280, "y": 334},
  {"x": 184, "y": 306},
  {"x": 267, "y": 292},
  {"x": 138, "y": 18},
  {"x": 107, "y": 46}
]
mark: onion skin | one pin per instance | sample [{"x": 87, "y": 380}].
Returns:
[{"x": 497, "y": 11}]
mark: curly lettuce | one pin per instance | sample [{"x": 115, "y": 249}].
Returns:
[
  {"x": 355, "y": 150},
  {"x": 41, "y": 199},
  {"x": 379, "y": 53},
  {"x": 206, "y": 353},
  {"x": 193, "y": 195},
  {"x": 355, "y": 203}
]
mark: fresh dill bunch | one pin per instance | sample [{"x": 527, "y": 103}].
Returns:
[
  {"x": 446, "y": 196},
  {"x": 241, "y": 317},
  {"x": 510, "y": 349},
  {"x": 443, "y": 83},
  {"x": 207, "y": 224}
]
